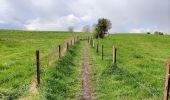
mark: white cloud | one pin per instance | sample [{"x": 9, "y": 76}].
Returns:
[
  {"x": 70, "y": 19},
  {"x": 86, "y": 18},
  {"x": 58, "y": 24},
  {"x": 144, "y": 30},
  {"x": 140, "y": 30},
  {"x": 4, "y": 6},
  {"x": 2, "y": 22},
  {"x": 126, "y": 15},
  {"x": 42, "y": 3}
]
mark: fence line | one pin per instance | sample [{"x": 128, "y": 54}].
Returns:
[
  {"x": 114, "y": 57},
  {"x": 95, "y": 45},
  {"x": 60, "y": 52},
  {"x": 54, "y": 56}
]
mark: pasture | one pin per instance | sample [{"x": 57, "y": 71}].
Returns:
[
  {"x": 17, "y": 58},
  {"x": 140, "y": 69},
  {"x": 139, "y": 72}
]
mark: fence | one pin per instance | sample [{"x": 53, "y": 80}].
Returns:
[
  {"x": 114, "y": 53},
  {"x": 96, "y": 46},
  {"x": 54, "y": 55},
  {"x": 62, "y": 49}
]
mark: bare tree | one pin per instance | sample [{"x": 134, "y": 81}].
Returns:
[
  {"x": 86, "y": 29},
  {"x": 71, "y": 29}
]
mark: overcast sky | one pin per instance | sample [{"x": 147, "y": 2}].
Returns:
[{"x": 125, "y": 15}]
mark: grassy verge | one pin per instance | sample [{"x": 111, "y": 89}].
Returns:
[
  {"x": 140, "y": 69},
  {"x": 62, "y": 80}
]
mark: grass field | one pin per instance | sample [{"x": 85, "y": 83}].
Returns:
[
  {"x": 17, "y": 58},
  {"x": 138, "y": 74},
  {"x": 140, "y": 69}
]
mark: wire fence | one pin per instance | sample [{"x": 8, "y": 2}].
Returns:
[{"x": 105, "y": 53}]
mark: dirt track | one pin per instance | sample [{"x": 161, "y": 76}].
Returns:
[{"x": 86, "y": 91}]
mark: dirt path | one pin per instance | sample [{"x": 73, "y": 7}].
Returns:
[{"x": 86, "y": 91}]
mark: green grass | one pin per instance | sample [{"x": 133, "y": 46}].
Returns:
[
  {"x": 62, "y": 80},
  {"x": 17, "y": 58},
  {"x": 140, "y": 69},
  {"x": 138, "y": 74}
]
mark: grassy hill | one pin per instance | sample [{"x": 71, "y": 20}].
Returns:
[
  {"x": 140, "y": 69},
  {"x": 17, "y": 54},
  {"x": 138, "y": 74}
]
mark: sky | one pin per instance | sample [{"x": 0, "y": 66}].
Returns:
[{"x": 133, "y": 16}]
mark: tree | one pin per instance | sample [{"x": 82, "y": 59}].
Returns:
[
  {"x": 102, "y": 28},
  {"x": 148, "y": 33},
  {"x": 71, "y": 29},
  {"x": 86, "y": 29},
  {"x": 158, "y": 33}
]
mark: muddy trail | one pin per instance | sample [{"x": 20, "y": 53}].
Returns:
[{"x": 86, "y": 83}]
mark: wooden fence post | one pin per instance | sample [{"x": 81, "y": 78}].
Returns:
[
  {"x": 93, "y": 43},
  {"x": 59, "y": 51},
  {"x": 102, "y": 51},
  {"x": 67, "y": 46},
  {"x": 97, "y": 49},
  {"x": 71, "y": 41},
  {"x": 167, "y": 81},
  {"x": 38, "y": 66},
  {"x": 90, "y": 42},
  {"x": 74, "y": 40},
  {"x": 114, "y": 55}
]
